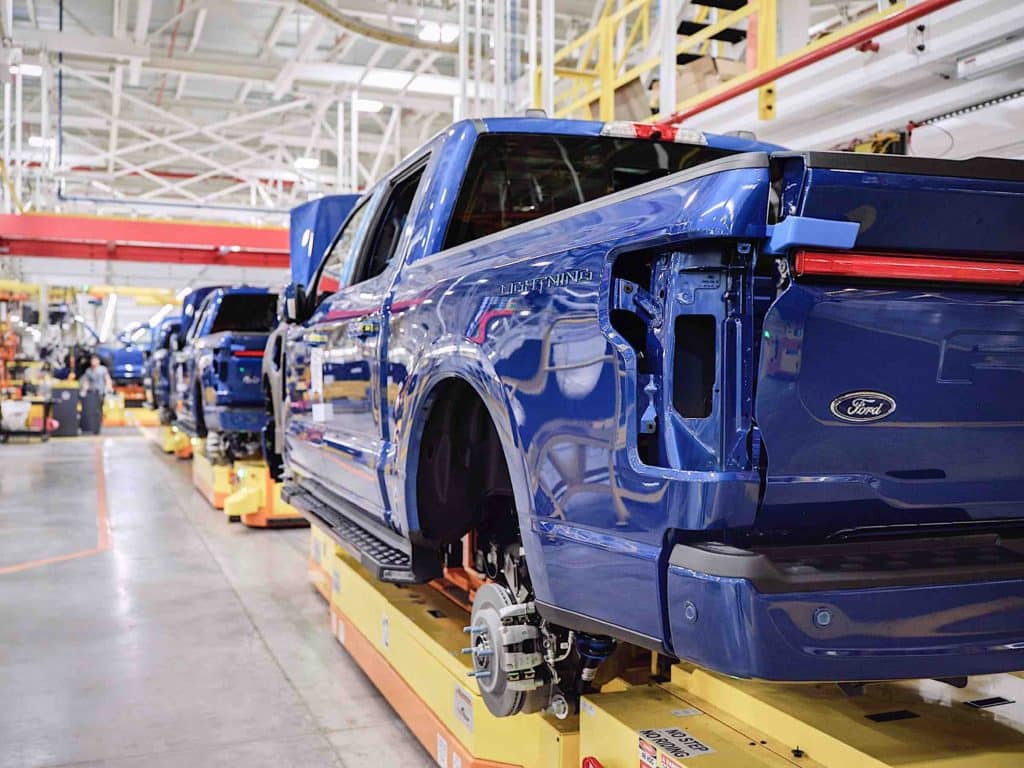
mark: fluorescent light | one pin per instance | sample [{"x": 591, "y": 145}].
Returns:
[
  {"x": 39, "y": 142},
  {"x": 369, "y": 105},
  {"x": 180, "y": 295},
  {"x": 432, "y": 32},
  {"x": 306, "y": 163},
  {"x": 27, "y": 70},
  {"x": 990, "y": 60},
  {"x": 109, "y": 315}
]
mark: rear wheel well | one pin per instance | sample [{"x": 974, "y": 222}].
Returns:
[{"x": 462, "y": 477}]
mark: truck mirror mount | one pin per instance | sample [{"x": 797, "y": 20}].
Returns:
[{"x": 299, "y": 310}]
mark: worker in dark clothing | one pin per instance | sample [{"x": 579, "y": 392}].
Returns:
[{"x": 96, "y": 383}]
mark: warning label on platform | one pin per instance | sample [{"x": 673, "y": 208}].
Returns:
[
  {"x": 672, "y": 743},
  {"x": 648, "y": 755}
]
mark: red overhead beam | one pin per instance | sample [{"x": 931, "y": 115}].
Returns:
[{"x": 170, "y": 242}]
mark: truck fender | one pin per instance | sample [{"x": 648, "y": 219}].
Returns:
[{"x": 467, "y": 362}]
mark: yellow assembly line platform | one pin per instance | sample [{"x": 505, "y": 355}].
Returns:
[
  {"x": 244, "y": 490},
  {"x": 214, "y": 481},
  {"x": 408, "y": 639},
  {"x": 256, "y": 499}
]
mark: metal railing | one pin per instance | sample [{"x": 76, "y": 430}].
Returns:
[{"x": 596, "y": 67}]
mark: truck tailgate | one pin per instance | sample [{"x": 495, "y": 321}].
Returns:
[{"x": 891, "y": 379}]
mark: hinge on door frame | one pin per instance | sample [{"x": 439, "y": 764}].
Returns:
[{"x": 631, "y": 297}]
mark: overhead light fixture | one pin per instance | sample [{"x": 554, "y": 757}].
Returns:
[
  {"x": 109, "y": 316},
  {"x": 306, "y": 163},
  {"x": 432, "y": 32},
  {"x": 182, "y": 293},
  {"x": 1005, "y": 54},
  {"x": 27, "y": 70},
  {"x": 39, "y": 142},
  {"x": 369, "y": 105}
]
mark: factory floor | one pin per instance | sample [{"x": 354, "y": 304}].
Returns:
[{"x": 177, "y": 639}]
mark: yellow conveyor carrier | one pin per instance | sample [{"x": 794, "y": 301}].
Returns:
[{"x": 408, "y": 641}]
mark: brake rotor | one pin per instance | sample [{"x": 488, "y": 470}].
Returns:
[{"x": 489, "y": 652}]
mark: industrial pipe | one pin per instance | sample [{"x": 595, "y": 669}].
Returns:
[{"x": 898, "y": 19}]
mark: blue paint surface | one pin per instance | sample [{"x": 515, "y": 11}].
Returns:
[{"x": 611, "y": 466}]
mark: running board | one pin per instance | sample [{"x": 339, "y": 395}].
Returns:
[{"x": 383, "y": 561}]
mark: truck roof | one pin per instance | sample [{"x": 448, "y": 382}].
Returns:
[{"x": 541, "y": 125}]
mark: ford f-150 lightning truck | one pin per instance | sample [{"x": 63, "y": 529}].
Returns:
[
  {"x": 218, "y": 377},
  {"x": 756, "y": 409},
  {"x": 311, "y": 230}
]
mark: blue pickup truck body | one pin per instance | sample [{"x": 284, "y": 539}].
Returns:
[
  {"x": 218, "y": 378},
  {"x": 125, "y": 357},
  {"x": 737, "y": 428},
  {"x": 312, "y": 228},
  {"x": 158, "y": 364}
]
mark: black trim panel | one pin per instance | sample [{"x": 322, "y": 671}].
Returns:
[
  {"x": 581, "y": 623},
  {"x": 859, "y": 565},
  {"x": 987, "y": 168}
]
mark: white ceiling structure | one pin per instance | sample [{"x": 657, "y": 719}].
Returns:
[{"x": 233, "y": 108}]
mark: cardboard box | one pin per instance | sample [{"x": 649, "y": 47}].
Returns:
[
  {"x": 705, "y": 73},
  {"x": 632, "y": 102}
]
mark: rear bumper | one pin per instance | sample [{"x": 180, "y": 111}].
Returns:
[
  {"x": 225, "y": 419},
  {"x": 734, "y": 612}
]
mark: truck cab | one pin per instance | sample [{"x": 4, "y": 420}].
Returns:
[
  {"x": 750, "y": 408},
  {"x": 157, "y": 368},
  {"x": 312, "y": 230},
  {"x": 219, "y": 395},
  {"x": 125, "y": 358}
]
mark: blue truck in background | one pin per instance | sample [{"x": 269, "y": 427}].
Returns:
[
  {"x": 751, "y": 408},
  {"x": 156, "y": 373},
  {"x": 217, "y": 376},
  {"x": 190, "y": 306},
  {"x": 125, "y": 359},
  {"x": 312, "y": 228}
]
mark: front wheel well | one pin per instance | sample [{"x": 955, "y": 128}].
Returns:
[{"x": 461, "y": 472}]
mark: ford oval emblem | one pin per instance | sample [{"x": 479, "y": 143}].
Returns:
[{"x": 861, "y": 407}]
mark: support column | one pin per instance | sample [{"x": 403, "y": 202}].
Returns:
[
  {"x": 8, "y": 204},
  {"x": 547, "y": 55},
  {"x": 531, "y": 50},
  {"x": 44, "y": 114},
  {"x": 498, "y": 49},
  {"x": 354, "y": 175},
  {"x": 667, "y": 70},
  {"x": 478, "y": 58},
  {"x": 19, "y": 91},
  {"x": 339, "y": 130},
  {"x": 462, "y": 109}
]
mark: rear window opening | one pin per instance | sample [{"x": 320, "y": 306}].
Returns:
[
  {"x": 246, "y": 313},
  {"x": 514, "y": 178},
  {"x": 694, "y": 366}
]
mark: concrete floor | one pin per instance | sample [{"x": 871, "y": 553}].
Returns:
[{"x": 188, "y": 642}]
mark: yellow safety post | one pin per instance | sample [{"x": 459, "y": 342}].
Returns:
[{"x": 767, "y": 32}]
